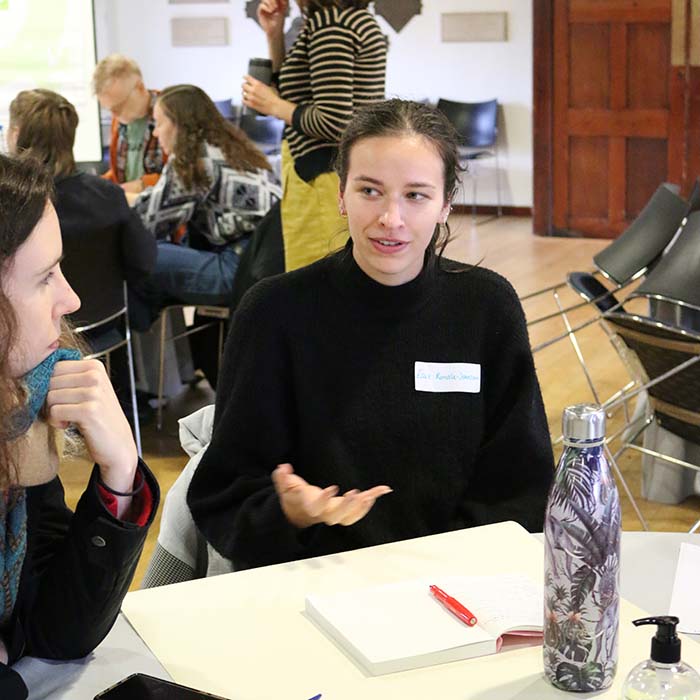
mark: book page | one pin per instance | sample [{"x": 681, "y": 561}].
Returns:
[
  {"x": 684, "y": 600},
  {"x": 394, "y": 621},
  {"x": 402, "y": 625},
  {"x": 507, "y": 603}
]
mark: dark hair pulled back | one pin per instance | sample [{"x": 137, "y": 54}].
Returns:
[{"x": 404, "y": 118}]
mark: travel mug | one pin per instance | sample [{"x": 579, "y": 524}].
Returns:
[{"x": 261, "y": 69}]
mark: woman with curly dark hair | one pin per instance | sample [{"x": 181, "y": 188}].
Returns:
[
  {"x": 214, "y": 189},
  {"x": 336, "y": 65},
  {"x": 63, "y": 575}
]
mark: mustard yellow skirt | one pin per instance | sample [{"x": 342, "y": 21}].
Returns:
[{"x": 311, "y": 224}]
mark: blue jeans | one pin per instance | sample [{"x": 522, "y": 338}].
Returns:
[{"x": 183, "y": 275}]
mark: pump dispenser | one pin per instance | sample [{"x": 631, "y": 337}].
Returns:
[{"x": 664, "y": 676}]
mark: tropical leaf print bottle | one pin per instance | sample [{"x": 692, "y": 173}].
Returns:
[{"x": 582, "y": 559}]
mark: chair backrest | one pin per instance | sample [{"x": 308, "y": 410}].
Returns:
[
  {"x": 676, "y": 277},
  {"x": 92, "y": 264},
  {"x": 265, "y": 132},
  {"x": 475, "y": 122},
  {"x": 593, "y": 291},
  {"x": 661, "y": 348},
  {"x": 645, "y": 238},
  {"x": 225, "y": 109}
]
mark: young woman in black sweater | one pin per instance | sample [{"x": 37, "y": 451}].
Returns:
[{"x": 382, "y": 372}]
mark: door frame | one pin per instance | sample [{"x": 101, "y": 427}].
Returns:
[{"x": 542, "y": 115}]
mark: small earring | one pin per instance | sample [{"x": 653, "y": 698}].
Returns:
[{"x": 341, "y": 210}]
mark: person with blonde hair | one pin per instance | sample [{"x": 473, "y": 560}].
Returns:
[
  {"x": 135, "y": 156},
  {"x": 63, "y": 575}
]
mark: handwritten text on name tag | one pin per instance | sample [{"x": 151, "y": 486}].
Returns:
[{"x": 462, "y": 377}]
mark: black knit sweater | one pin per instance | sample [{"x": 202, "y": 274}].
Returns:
[{"x": 319, "y": 372}]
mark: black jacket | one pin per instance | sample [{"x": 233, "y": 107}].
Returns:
[
  {"x": 76, "y": 572},
  {"x": 91, "y": 207}
]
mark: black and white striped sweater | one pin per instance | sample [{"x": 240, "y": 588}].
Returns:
[{"x": 336, "y": 64}]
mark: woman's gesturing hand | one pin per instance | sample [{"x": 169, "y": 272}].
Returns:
[
  {"x": 271, "y": 14},
  {"x": 306, "y": 505},
  {"x": 80, "y": 392}
]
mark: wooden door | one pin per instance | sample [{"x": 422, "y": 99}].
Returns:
[
  {"x": 619, "y": 120},
  {"x": 693, "y": 86}
]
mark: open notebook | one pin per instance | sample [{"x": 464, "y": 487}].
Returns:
[{"x": 401, "y": 626}]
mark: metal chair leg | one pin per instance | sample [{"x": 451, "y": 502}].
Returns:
[
  {"x": 499, "y": 207},
  {"x": 473, "y": 168},
  {"x": 161, "y": 369},
  {"x": 626, "y": 488},
  {"x": 132, "y": 386},
  {"x": 577, "y": 348}
]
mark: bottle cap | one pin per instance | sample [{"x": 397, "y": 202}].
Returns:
[
  {"x": 665, "y": 644},
  {"x": 583, "y": 422}
]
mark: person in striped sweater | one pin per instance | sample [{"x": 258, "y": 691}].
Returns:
[{"x": 336, "y": 64}]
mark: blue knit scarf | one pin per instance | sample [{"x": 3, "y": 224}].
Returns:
[{"x": 13, "y": 502}]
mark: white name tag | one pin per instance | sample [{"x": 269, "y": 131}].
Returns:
[{"x": 464, "y": 377}]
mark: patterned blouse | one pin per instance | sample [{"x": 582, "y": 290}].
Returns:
[{"x": 227, "y": 210}]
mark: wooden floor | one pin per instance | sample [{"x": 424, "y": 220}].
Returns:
[{"x": 530, "y": 263}]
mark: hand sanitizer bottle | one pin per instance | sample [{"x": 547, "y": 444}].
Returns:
[{"x": 664, "y": 676}]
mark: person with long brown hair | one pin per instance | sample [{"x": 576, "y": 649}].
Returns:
[
  {"x": 63, "y": 575},
  {"x": 216, "y": 186},
  {"x": 43, "y": 124},
  {"x": 336, "y": 65}
]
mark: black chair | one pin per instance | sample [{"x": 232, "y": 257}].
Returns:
[
  {"x": 589, "y": 288},
  {"x": 477, "y": 126},
  {"x": 670, "y": 358},
  {"x": 593, "y": 291},
  {"x": 632, "y": 254},
  {"x": 92, "y": 266},
  {"x": 645, "y": 239},
  {"x": 264, "y": 132},
  {"x": 676, "y": 277},
  {"x": 226, "y": 110}
]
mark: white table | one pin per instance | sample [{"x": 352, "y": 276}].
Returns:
[
  {"x": 244, "y": 635},
  {"x": 648, "y": 569}
]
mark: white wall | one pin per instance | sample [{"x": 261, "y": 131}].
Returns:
[{"x": 419, "y": 66}]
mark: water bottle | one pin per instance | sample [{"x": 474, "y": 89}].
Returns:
[
  {"x": 582, "y": 559},
  {"x": 261, "y": 69}
]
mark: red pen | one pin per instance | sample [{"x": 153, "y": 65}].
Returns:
[{"x": 454, "y": 606}]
